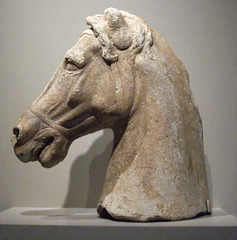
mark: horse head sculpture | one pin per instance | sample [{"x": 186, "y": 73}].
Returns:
[{"x": 122, "y": 75}]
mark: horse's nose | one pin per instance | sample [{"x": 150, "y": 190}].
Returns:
[
  {"x": 18, "y": 139},
  {"x": 16, "y": 132},
  {"x": 26, "y": 128},
  {"x": 18, "y": 135}
]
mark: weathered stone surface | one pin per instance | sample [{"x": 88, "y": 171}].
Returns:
[{"x": 122, "y": 75}]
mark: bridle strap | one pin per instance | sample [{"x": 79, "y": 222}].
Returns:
[{"x": 62, "y": 130}]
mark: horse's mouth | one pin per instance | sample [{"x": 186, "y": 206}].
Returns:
[
  {"x": 47, "y": 150},
  {"x": 40, "y": 151}
]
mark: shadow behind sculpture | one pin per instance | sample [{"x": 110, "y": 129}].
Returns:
[
  {"x": 123, "y": 75},
  {"x": 91, "y": 167}
]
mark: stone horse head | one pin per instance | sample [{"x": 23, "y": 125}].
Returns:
[{"x": 122, "y": 75}]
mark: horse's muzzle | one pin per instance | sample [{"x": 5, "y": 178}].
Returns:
[
  {"x": 23, "y": 157},
  {"x": 25, "y": 129}
]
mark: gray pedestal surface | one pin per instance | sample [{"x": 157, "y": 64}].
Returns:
[{"x": 83, "y": 223}]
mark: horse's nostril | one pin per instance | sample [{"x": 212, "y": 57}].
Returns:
[{"x": 16, "y": 132}]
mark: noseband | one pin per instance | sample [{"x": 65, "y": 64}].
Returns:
[{"x": 67, "y": 133}]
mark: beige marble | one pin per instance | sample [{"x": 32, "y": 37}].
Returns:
[{"x": 122, "y": 75}]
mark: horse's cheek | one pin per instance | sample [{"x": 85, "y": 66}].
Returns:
[
  {"x": 99, "y": 103},
  {"x": 102, "y": 97}
]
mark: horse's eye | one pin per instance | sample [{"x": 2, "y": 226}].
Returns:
[{"x": 72, "y": 66}]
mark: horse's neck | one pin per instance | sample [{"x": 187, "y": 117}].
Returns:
[
  {"x": 158, "y": 160},
  {"x": 130, "y": 143}
]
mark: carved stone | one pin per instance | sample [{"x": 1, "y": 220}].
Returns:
[{"x": 122, "y": 75}]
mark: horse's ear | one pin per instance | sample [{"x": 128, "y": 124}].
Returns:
[
  {"x": 114, "y": 18},
  {"x": 117, "y": 28}
]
